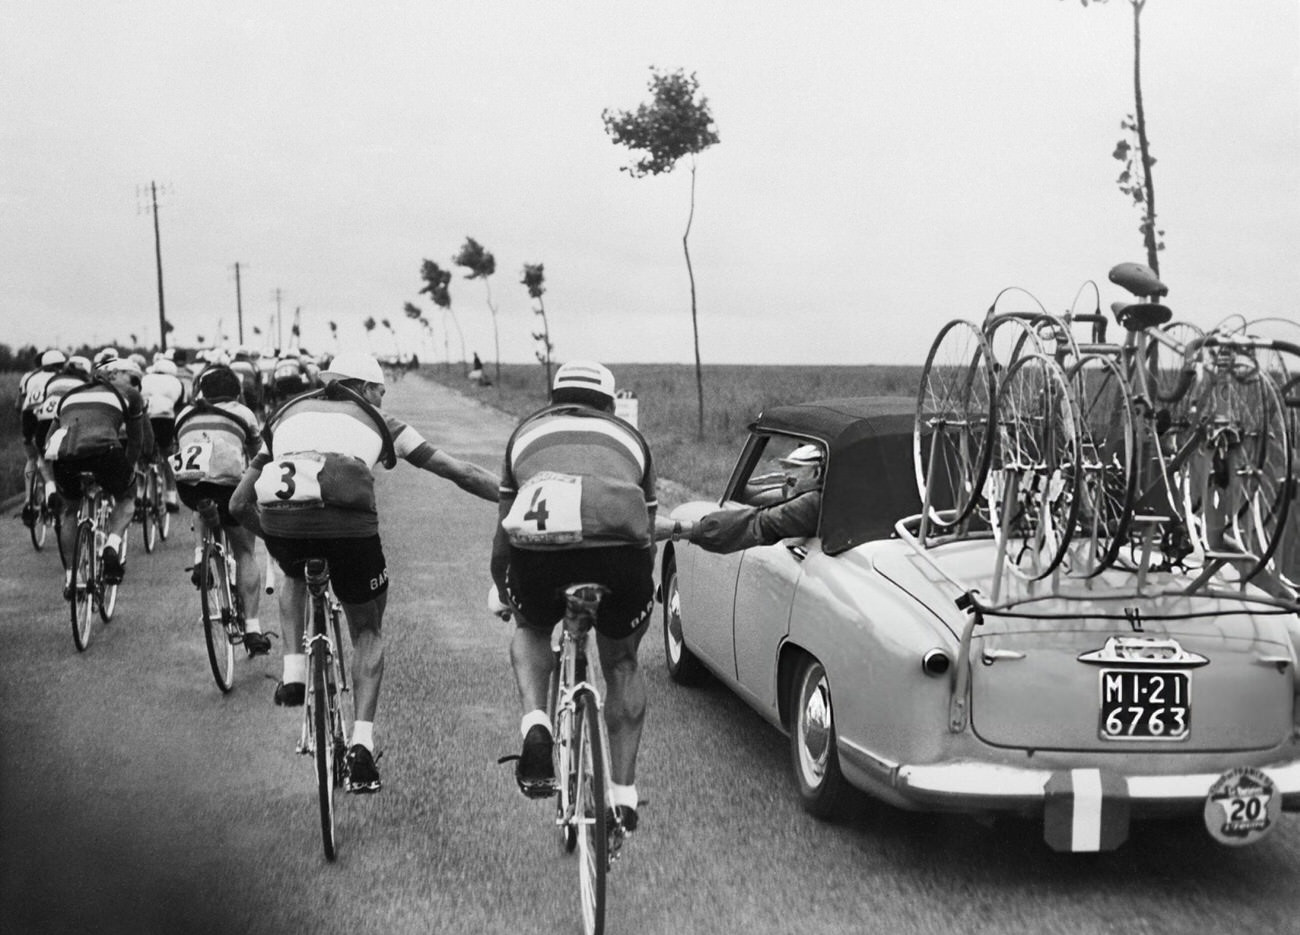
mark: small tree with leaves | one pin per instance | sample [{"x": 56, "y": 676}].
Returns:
[
  {"x": 1134, "y": 150},
  {"x": 369, "y": 325},
  {"x": 481, "y": 265},
  {"x": 437, "y": 285},
  {"x": 535, "y": 282},
  {"x": 673, "y": 124}
]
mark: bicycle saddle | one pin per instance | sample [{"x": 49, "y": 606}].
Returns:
[
  {"x": 1138, "y": 279},
  {"x": 1141, "y": 316}
]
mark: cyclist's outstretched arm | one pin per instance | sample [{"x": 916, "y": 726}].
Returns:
[{"x": 464, "y": 474}]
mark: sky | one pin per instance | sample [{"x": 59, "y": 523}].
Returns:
[{"x": 885, "y": 166}]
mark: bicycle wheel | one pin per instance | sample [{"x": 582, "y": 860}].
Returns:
[
  {"x": 1262, "y": 488},
  {"x": 214, "y": 595},
  {"x": 322, "y": 732},
  {"x": 83, "y": 584},
  {"x": 108, "y": 592},
  {"x": 1171, "y": 357},
  {"x": 1107, "y": 465},
  {"x": 1038, "y": 441},
  {"x": 147, "y": 512},
  {"x": 40, "y": 513},
  {"x": 591, "y": 811},
  {"x": 565, "y": 764},
  {"x": 164, "y": 516},
  {"x": 951, "y": 444}
]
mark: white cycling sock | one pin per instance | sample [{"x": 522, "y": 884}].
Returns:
[
  {"x": 363, "y": 732},
  {"x": 295, "y": 669},
  {"x": 114, "y": 542},
  {"x": 533, "y": 718},
  {"x": 622, "y": 795},
  {"x": 252, "y": 625}
]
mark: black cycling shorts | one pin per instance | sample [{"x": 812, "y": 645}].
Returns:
[
  {"x": 537, "y": 579},
  {"x": 41, "y": 433},
  {"x": 30, "y": 422},
  {"x": 112, "y": 469},
  {"x": 164, "y": 433},
  {"x": 219, "y": 494},
  {"x": 358, "y": 572}
]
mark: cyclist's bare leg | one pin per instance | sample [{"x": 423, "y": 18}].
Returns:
[
  {"x": 533, "y": 660},
  {"x": 123, "y": 512},
  {"x": 625, "y": 701},
  {"x": 365, "y": 624},
  {"x": 293, "y": 608},
  {"x": 247, "y": 570}
]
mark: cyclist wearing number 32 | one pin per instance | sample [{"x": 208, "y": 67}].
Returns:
[
  {"x": 216, "y": 438},
  {"x": 310, "y": 493},
  {"x": 577, "y": 506}
]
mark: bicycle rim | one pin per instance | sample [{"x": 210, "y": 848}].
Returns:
[
  {"x": 82, "y": 586},
  {"x": 221, "y": 654},
  {"x": 322, "y": 734},
  {"x": 40, "y": 517},
  {"x": 149, "y": 518},
  {"x": 591, "y": 813},
  {"x": 1266, "y": 482},
  {"x": 164, "y": 516},
  {"x": 566, "y": 774},
  {"x": 954, "y": 411}
]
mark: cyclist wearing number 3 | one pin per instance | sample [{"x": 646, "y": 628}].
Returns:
[
  {"x": 578, "y": 505},
  {"x": 216, "y": 438},
  {"x": 310, "y": 493}
]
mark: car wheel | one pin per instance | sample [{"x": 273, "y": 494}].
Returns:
[
  {"x": 813, "y": 750},
  {"x": 683, "y": 666}
]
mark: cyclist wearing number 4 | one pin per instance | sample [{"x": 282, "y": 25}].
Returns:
[
  {"x": 310, "y": 493},
  {"x": 216, "y": 438},
  {"x": 578, "y": 505}
]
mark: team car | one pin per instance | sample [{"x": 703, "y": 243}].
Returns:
[{"x": 1138, "y": 693}]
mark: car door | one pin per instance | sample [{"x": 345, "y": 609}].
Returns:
[
  {"x": 765, "y": 588},
  {"x": 707, "y": 611}
]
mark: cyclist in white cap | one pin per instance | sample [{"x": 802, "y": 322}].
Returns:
[{"x": 336, "y": 435}]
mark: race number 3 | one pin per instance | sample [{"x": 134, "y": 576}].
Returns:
[{"x": 290, "y": 481}]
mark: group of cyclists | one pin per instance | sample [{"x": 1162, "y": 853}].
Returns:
[{"x": 293, "y": 463}]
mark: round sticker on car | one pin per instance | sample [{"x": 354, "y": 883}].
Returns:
[{"x": 1242, "y": 807}]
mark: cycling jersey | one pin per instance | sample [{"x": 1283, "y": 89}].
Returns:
[
  {"x": 163, "y": 394},
  {"x": 576, "y": 477},
  {"x": 213, "y": 442},
  {"x": 55, "y": 390},
  {"x": 316, "y": 461},
  {"x": 31, "y": 388},
  {"x": 95, "y": 418}
]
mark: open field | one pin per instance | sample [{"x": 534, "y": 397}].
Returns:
[
  {"x": 668, "y": 407},
  {"x": 11, "y": 438}
]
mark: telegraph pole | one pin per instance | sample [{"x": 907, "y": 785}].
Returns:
[
  {"x": 239, "y": 305},
  {"x": 157, "y": 249},
  {"x": 279, "y": 330}
]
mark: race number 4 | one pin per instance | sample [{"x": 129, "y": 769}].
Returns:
[{"x": 547, "y": 511}]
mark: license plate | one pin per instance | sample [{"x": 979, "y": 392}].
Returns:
[{"x": 1145, "y": 704}]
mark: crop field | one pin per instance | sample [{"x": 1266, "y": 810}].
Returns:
[
  {"x": 11, "y": 438},
  {"x": 668, "y": 408}
]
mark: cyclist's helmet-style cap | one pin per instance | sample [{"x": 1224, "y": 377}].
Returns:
[
  {"x": 218, "y": 384},
  {"x": 354, "y": 365},
  {"x": 53, "y": 358},
  {"x": 584, "y": 381}
]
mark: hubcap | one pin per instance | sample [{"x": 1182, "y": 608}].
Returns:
[
  {"x": 815, "y": 724},
  {"x": 674, "y": 628}
]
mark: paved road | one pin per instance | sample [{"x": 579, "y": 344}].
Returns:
[{"x": 135, "y": 798}]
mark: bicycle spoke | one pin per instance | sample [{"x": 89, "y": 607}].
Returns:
[
  {"x": 214, "y": 589},
  {"x": 591, "y": 811}
]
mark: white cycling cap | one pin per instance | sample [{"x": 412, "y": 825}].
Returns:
[
  {"x": 803, "y": 456},
  {"x": 354, "y": 365},
  {"x": 585, "y": 375}
]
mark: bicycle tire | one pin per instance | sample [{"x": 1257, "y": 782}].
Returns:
[
  {"x": 591, "y": 811},
  {"x": 148, "y": 518},
  {"x": 106, "y": 594},
  {"x": 162, "y": 514},
  {"x": 1268, "y": 484},
  {"x": 564, "y": 762},
  {"x": 1108, "y": 473},
  {"x": 221, "y": 654},
  {"x": 82, "y": 598},
  {"x": 40, "y": 512},
  {"x": 1038, "y": 436},
  {"x": 954, "y": 412},
  {"x": 324, "y": 753}
]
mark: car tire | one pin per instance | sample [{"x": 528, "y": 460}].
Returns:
[
  {"x": 684, "y": 667},
  {"x": 814, "y": 752}
]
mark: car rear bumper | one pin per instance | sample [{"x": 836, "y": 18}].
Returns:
[{"x": 1095, "y": 805}]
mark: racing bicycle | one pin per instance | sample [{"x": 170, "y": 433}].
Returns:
[
  {"x": 150, "y": 507},
  {"x": 223, "y": 609},
  {"x": 36, "y": 514},
  {"x": 326, "y": 722},
  {"x": 87, "y": 591},
  {"x": 585, "y": 819}
]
